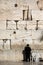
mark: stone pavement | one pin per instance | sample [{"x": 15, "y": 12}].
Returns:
[{"x": 19, "y": 63}]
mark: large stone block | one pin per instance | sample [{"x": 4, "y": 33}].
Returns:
[
  {"x": 5, "y": 34},
  {"x": 37, "y": 14},
  {"x": 2, "y": 24},
  {"x": 7, "y": 45},
  {"x": 31, "y": 25},
  {"x": 11, "y": 25}
]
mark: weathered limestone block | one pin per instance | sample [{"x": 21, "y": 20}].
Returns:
[
  {"x": 26, "y": 24},
  {"x": 11, "y": 25},
  {"x": 40, "y": 24},
  {"x": 39, "y": 16},
  {"x": 31, "y": 25},
  {"x": 21, "y": 25},
  {"x": 36, "y": 34},
  {"x": 2, "y": 24},
  {"x": 7, "y": 45},
  {"x": 5, "y": 34}
]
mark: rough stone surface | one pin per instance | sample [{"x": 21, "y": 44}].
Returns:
[{"x": 25, "y": 29}]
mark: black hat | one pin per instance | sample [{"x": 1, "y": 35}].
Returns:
[{"x": 27, "y": 44}]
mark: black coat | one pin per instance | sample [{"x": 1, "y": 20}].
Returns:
[{"x": 27, "y": 51}]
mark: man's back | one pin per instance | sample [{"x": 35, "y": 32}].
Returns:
[{"x": 27, "y": 50}]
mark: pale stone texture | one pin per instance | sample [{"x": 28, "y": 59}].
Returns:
[{"x": 12, "y": 43}]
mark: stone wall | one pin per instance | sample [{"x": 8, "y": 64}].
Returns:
[
  {"x": 15, "y": 30},
  {"x": 26, "y": 29}
]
